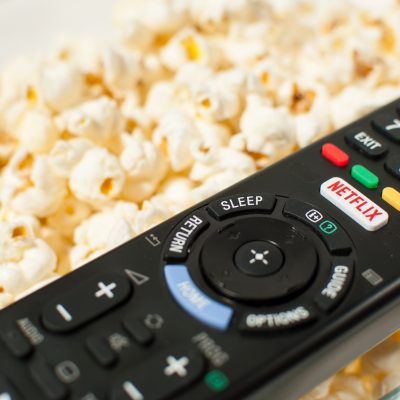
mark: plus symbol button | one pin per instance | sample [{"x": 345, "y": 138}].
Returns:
[
  {"x": 105, "y": 290},
  {"x": 176, "y": 366}
]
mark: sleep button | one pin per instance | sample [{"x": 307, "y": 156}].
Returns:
[
  {"x": 194, "y": 301},
  {"x": 242, "y": 203}
]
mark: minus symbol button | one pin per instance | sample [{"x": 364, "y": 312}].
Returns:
[{"x": 64, "y": 312}]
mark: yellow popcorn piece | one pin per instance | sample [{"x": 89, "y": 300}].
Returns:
[{"x": 193, "y": 51}]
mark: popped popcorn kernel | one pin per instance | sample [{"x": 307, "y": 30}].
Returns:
[
  {"x": 97, "y": 178},
  {"x": 101, "y": 140}
]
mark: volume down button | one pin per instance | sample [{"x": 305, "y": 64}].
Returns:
[{"x": 86, "y": 302}]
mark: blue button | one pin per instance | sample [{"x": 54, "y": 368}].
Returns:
[{"x": 194, "y": 301}]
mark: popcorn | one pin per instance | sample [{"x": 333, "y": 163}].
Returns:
[
  {"x": 122, "y": 70},
  {"x": 37, "y": 132},
  {"x": 188, "y": 45},
  {"x": 144, "y": 164},
  {"x": 216, "y": 14},
  {"x": 216, "y": 101},
  {"x": 267, "y": 130},
  {"x": 384, "y": 358},
  {"x": 178, "y": 132},
  {"x": 222, "y": 159},
  {"x": 247, "y": 43},
  {"x": 389, "y": 383},
  {"x": 160, "y": 17},
  {"x": 354, "y": 102},
  {"x": 24, "y": 259},
  {"x": 97, "y": 178},
  {"x": 70, "y": 214},
  {"x": 62, "y": 85},
  {"x": 215, "y": 183},
  {"x": 160, "y": 99},
  {"x": 103, "y": 231},
  {"x": 46, "y": 193},
  {"x": 98, "y": 120},
  {"x": 67, "y": 153},
  {"x": 153, "y": 212},
  {"x": 177, "y": 185},
  {"x": 101, "y": 141}
]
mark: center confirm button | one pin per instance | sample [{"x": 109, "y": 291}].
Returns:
[
  {"x": 355, "y": 204},
  {"x": 194, "y": 301}
]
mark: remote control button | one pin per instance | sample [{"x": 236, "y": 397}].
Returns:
[
  {"x": 194, "y": 301},
  {"x": 335, "y": 155},
  {"x": 7, "y": 391},
  {"x": 366, "y": 144},
  {"x": 85, "y": 302},
  {"x": 364, "y": 176},
  {"x": 16, "y": 342},
  {"x": 235, "y": 204},
  {"x": 285, "y": 318},
  {"x": 44, "y": 377},
  {"x": 392, "y": 165},
  {"x": 354, "y": 204},
  {"x": 259, "y": 258},
  {"x": 337, "y": 285},
  {"x": 389, "y": 125},
  {"x": 293, "y": 250},
  {"x": 138, "y": 330},
  {"x": 329, "y": 231},
  {"x": 100, "y": 350},
  {"x": 184, "y": 235},
  {"x": 162, "y": 376},
  {"x": 392, "y": 197}
]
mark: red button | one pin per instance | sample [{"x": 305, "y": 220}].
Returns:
[{"x": 335, "y": 155}]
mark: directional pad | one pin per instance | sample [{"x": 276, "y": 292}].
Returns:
[{"x": 258, "y": 258}]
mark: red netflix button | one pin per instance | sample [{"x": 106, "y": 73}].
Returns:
[{"x": 354, "y": 203}]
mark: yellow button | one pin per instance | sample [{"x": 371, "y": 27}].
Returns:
[{"x": 391, "y": 196}]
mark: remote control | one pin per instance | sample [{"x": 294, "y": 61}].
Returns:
[{"x": 259, "y": 292}]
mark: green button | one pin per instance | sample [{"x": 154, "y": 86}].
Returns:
[
  {"x": 364, "y": 176},
  {"x": 216, "y": 380}
]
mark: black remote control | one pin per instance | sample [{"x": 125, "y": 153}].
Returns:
[{"x": 260, "y": 292}]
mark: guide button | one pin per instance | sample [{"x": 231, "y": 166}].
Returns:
[
  {"x": 227, "y": 206},
  {"x": 336, "y": 286},
  {"x": 194, "y": 301}
]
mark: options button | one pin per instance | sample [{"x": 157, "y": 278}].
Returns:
[{"x": 277, "y": 319}]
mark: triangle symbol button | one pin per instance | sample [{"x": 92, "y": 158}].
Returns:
[{"x": 137, "y": 278}]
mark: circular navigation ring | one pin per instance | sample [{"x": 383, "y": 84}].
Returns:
[{"x": 221, "y": 248}]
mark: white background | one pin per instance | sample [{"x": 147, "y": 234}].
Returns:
[{"x": 30, "y": 25}]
